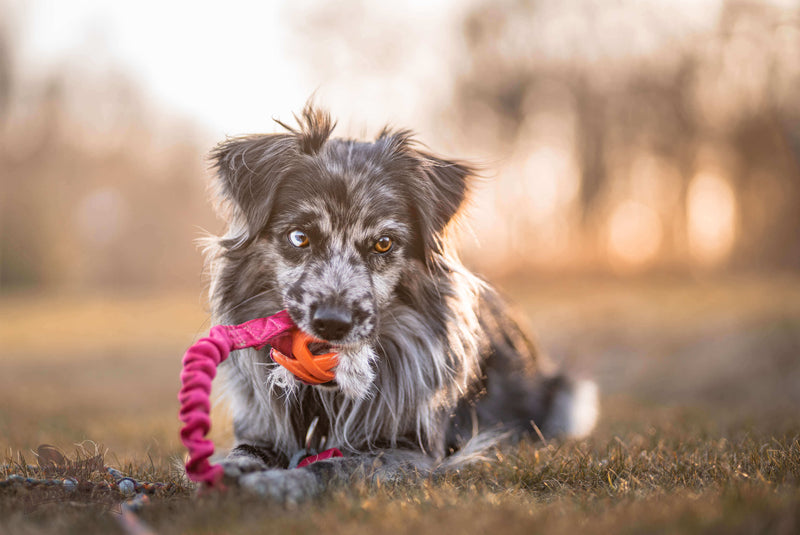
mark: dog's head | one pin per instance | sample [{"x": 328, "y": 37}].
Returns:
[{"x": 330, "y": 228}]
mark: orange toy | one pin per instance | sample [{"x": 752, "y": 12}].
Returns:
[{"x": 306, "y": 366}]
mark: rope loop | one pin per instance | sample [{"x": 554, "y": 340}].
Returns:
[{"x": 200, "y": 367}]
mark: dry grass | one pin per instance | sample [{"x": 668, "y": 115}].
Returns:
[
  {"x": 661, "y": 482},
  {"x": 700, "y": 431}
]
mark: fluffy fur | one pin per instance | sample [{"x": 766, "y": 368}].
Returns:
[{"x": 432, "y": 367}]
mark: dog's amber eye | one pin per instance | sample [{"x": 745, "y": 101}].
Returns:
[
  {"x": 298, "y": 238},
  {"x": 383, "y": 245}
]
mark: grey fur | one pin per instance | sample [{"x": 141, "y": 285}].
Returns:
[{"x": 432, "y": 370}]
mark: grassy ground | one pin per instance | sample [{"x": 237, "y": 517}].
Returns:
[{"x": 700, "y": 429}]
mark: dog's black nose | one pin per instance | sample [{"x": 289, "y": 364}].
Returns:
[{"x": 331, "y": 322}]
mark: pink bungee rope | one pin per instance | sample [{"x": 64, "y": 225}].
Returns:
[{"x": 199, "y": 369}]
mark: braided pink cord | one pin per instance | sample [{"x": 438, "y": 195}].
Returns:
[{"x": 199, "y": 369}]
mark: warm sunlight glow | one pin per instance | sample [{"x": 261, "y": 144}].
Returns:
[
  {"x": 634, "y": 234},
  {"x": 550, "y": 182},
  {"x": 711, "y": 218}
]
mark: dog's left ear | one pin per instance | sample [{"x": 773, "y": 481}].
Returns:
[{"x": 443, "y": 191}]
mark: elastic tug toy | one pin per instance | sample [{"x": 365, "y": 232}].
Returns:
[{"x": 289, "y": 348}]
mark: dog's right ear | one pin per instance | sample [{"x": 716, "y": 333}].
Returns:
[
  {"x": 251, "y": 168},
  {"x": 249, "y": 172}
]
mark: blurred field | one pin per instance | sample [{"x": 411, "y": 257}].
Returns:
[
  {"x": 106, "y": 368},
  {"x": 95, "y": 367},
  {"x": 700, "y": 381}
]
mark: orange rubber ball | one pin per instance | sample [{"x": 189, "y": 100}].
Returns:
[{"x": 306, "y": 366}]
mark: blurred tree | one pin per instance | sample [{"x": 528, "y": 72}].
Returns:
[
  {"x": 97, "y": 190},
  {"x": 5, "y": 73},
  {"x": 719, "y": 100}
]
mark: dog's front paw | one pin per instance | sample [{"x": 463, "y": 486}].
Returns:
[
  {"x": 235, "y": 466},
  {"x": 285, "y": 486}
]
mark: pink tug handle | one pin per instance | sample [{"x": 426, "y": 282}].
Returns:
[{"x": 199, "y": 369}]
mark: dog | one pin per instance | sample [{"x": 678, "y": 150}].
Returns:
[{"x": 351, "y": 237}]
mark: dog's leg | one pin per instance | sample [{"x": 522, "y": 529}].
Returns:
[
  {"x": 519, "y": 391},
  {"x": 284, "y": 485},
  {"x": 299, "y": 484},
  {"x": 248, "y": 458}
]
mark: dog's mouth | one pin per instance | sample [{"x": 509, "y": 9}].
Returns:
[
  {"x": 321, "y": 347},
  {"x": 310, "y": 360}
]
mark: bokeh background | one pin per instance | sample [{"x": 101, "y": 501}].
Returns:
[{"x": 639, "y": 199}]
